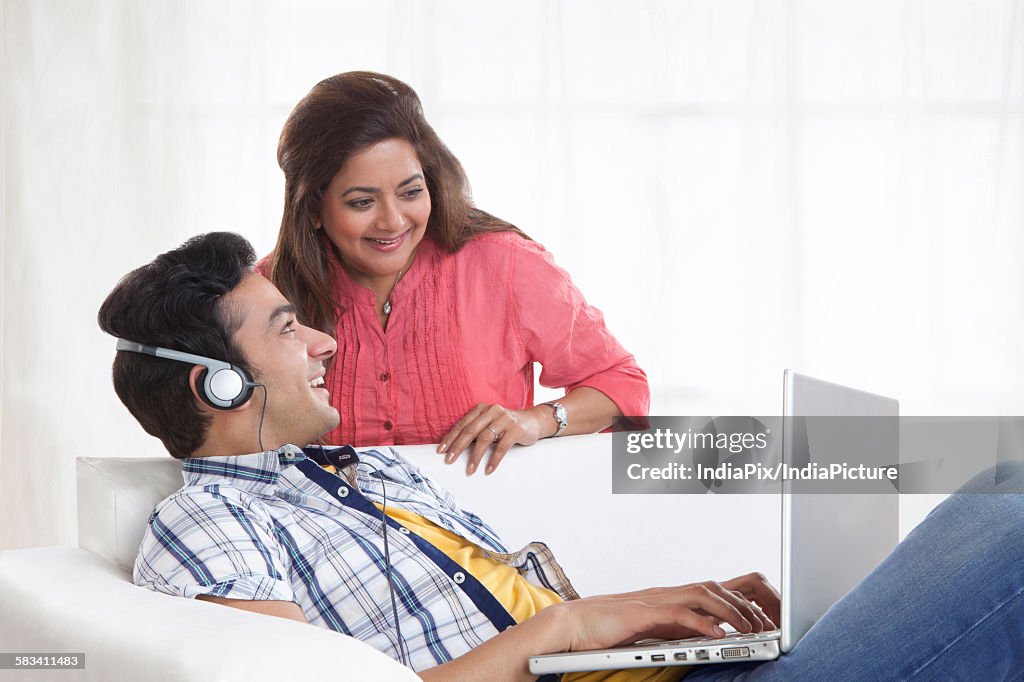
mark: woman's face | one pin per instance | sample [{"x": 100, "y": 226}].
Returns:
[{"x": 375, "y": 211}]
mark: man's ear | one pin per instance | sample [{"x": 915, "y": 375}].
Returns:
[{"x": 195, "y": 378}]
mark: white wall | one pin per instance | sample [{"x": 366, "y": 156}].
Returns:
[{"x": 741, "y": 186}]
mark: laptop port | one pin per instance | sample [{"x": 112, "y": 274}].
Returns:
[
  {"x": 736, "y": 652},
  {"x": 701, "y": 655},
  {"x": 657, "y": 658},
  {"x": 679, "y": 656}
]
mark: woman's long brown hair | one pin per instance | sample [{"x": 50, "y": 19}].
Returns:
[{"x": 343, "y": 115}]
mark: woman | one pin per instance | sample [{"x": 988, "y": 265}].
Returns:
[{"x": 439, "y": 309}]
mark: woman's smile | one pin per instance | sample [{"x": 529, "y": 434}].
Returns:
[{"x": 388, "y": 244}]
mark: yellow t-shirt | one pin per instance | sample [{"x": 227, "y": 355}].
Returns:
[{"x": 520, "y": 598}]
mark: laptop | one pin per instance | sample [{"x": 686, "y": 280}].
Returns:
[{"x": 830, "y": 542}]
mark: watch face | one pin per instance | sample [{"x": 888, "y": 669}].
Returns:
[{"x": 560, "y": 414}]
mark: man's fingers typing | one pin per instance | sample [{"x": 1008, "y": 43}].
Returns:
[{"x": 756, "y": 588}]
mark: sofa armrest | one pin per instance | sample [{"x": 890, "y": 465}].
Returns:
[{"x": 63, "y": 599}]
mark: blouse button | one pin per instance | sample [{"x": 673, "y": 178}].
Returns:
[
  {"x": 459, "y": 578},
  {"x": 388, "y": 426},
  {"x": 384, "y": 376},
  {"x": 342, "y": 491},
  {"x": 403, "y": 530}
]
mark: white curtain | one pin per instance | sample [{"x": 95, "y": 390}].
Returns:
[{"x": 742, "y": 186}]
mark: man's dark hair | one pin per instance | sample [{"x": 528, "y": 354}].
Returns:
[{"x": 176, "y": 302}]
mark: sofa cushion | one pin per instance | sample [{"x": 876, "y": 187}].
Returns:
[
  {"x": 116, "y": 495},
  {"x": 64, "y": 599}
]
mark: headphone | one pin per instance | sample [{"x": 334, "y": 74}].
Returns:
[{"x": 222, "y": 386}]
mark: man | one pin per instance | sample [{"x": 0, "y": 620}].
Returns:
[
  {"x": 260, "y": 526},
  {"x": 213, "y": 362}
]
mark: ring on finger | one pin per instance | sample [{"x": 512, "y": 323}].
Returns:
[{"x": 496, "y": 434}]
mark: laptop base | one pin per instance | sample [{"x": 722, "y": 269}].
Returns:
[{"x": 693, "y": 651}]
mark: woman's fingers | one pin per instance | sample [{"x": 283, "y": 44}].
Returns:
[
  {"x": 480, "y": 428},
  {"x": 501, "y": 448},
  {"x": 467, "y": 431},
  {"x": 487, "y": 429},
  {"x": 455, "y": 435},
  {"x": 486, "y": 426}
]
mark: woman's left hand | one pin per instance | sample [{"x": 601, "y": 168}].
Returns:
[{"x": 486, "y": 425}]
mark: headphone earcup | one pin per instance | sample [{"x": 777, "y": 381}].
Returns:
[{"x": 225, "y": 389}]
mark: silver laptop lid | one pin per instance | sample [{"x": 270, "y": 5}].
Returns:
[{"x": 830, "y": 542}]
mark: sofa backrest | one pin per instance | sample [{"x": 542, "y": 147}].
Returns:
[
  {"x": 115, "y": 498},
  {"x": 558, "y": 491},
  {"x": 116, "y": 495}
]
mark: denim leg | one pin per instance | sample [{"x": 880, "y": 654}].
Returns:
[{"x": 946, "y": 604}]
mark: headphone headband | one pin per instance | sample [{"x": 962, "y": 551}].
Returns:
[
  {"x": 209, "y": 363},
  {"x": 223, "y": 385}
]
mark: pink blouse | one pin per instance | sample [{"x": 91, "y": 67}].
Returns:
[{"x": 466, "y": 328}]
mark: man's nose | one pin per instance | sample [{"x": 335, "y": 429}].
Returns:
[{"x": 319, "y": 345}]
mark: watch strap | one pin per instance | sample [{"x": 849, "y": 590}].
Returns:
[{"x": 561, "y": 416}]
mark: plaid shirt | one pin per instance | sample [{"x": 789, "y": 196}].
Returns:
[{"x": 275, "y": 525}]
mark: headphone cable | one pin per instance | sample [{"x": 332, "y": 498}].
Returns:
[
  {"x": 391, "y": 585},
  {"x": 263, "y": 411},
  {"x": 402, "y": 651}
]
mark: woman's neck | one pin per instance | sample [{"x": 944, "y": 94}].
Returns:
[{"x": 381, "y": 285}]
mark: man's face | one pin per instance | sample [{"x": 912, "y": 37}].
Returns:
[{"x": 287, "y": 358}]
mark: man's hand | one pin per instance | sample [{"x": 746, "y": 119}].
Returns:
[
  {"x": 671, "y": 613},
  {"x": 755, "y": 587},
  {"x": 618, "y": 619}
]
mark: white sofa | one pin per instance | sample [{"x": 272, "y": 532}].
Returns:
[{"x": 63, "y": 599}]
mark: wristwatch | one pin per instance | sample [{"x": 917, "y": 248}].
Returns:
[{"x": 561, "y": 416}]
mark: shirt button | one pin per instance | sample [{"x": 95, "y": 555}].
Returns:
[
  {"x": 384, "y": 376},
  {"x": 459, "y": 578},
  {"x": 403, "y": 530},
  {"x": 388, "y": 426},
  {"x": 342, "y": 491}
]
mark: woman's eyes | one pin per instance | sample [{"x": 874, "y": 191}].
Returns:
[
  {"x": 289, "y": 327},
  {"x": 367, "y": 202}
]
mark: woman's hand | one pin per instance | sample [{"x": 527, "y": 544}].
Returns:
[{"x": 486, "y": 425}]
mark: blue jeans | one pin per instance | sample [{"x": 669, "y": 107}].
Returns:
[{"x": 946, "y": 604}]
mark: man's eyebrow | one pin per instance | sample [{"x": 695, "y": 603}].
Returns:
[
  {"x": 281, "y": 310},
  {"x": 376, "y": 190}
]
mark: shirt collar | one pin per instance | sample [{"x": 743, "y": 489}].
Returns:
[{"x": 256, "y": 473}]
